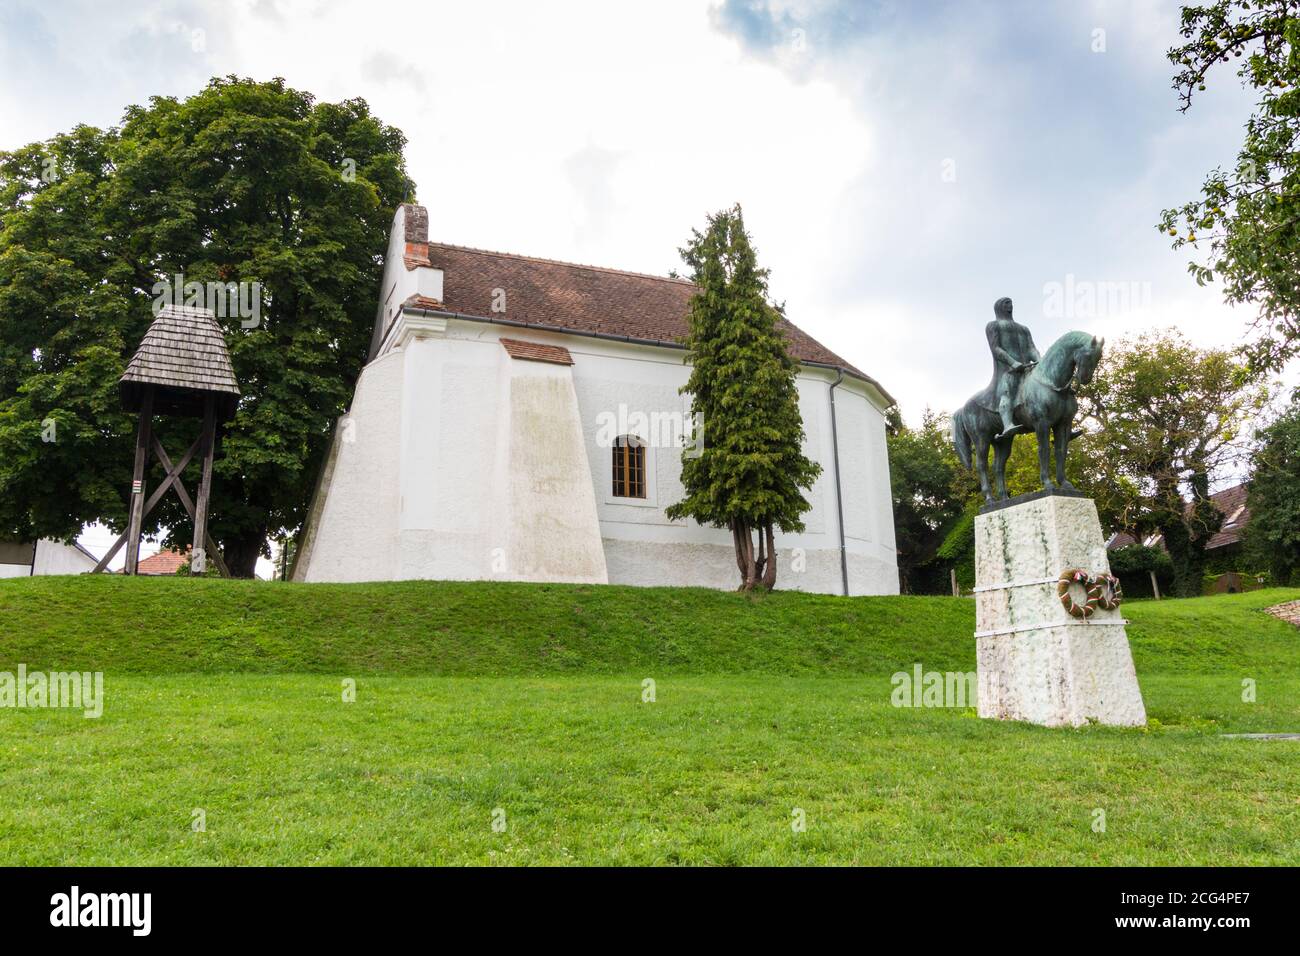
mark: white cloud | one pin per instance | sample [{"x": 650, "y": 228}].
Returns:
[{"x": 603, "y": 133}]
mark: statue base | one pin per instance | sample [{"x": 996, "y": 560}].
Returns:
[
  {"x": 1037, "y": 663},
  {"x": 999, "y": 504}
]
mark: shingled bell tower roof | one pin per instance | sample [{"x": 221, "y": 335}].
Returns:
[{"x": 183, "y": 357}]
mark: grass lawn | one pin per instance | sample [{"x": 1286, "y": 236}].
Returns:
[{"x": 226, "y": 697}]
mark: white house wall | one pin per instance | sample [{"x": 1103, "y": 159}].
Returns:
[
  {"x": 55, "y": 557},
  {"x": 643, "y": 547},
  {"x": 554, "y": 532},
  {"x": 51, "y": 557},
  {"x": 488, "y": 492}
]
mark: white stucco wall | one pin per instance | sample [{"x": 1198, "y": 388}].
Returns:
[
  {"x": 643, "y": 547},
  {"x": 465, "y": 464},
  {"x": 554, "y": 532},
  {"x": 354, "y": 534}
]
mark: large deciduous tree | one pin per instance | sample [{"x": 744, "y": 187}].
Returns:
[
  {"x": 1273, "y": 535},
  {"x": 243, "y": 182},
  {"x": 1174, "y": 419},
  {"x": 1245, "y": 227},
  {"x": 750, "y": 471}
]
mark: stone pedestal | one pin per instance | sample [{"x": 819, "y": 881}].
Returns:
[{"x": 1036, "y": 662}]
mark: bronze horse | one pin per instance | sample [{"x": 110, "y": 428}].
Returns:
[{"x": 1046, "y": 404}]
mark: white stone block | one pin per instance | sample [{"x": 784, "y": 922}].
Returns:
[{"x": 1036, "y": 662}]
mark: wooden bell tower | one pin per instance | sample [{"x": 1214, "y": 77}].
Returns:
[{"x": 181, "y": 368}]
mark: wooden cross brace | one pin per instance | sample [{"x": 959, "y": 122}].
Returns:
[{"x": 147, "y": 441}]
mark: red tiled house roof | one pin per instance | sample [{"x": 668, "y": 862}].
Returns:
[
  {"x": 1230, "y": 501},
  {"x": 164, "y": 562},
  {"x": 574, "y": 297},
  {"x": 1121, "y": 539}
]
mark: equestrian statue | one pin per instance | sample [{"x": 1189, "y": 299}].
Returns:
[{"x": 1028, "y": 393}]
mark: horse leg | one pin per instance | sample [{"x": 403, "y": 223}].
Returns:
[
  {"x": 1043, "y": 433},
  {"x": 1062, "y": 443},
  {"x": 1001, "y": 452},
  {"x": 982, "y": 465}
]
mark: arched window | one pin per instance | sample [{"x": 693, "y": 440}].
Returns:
[{"x": 629, "y": 467}]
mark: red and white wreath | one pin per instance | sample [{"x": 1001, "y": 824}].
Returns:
[{"x": 1090, "y": 584}]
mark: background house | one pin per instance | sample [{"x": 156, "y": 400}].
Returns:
[
  {"x": 164, "y": 562},
  {"x": 21, "y": 559},
  {"x": 1223, "y": 553}
]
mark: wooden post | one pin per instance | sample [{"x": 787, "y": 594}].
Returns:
[
  {"x": 956, "y": 591},
  {"x": 1155, "y": 587},
  {"x": 137, "y": 483},
  {"x": 208, "y": 444}
]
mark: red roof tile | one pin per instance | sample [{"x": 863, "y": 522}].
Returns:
[
  {"x": 164, "y": 562},
  {"x": 1232, "y": 502},
  {"x": 536, "y": 352}
]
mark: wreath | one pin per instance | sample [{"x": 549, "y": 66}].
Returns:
[
  {"x": 1091, "y": 585},
  {"x": 1112, "y": 595}
]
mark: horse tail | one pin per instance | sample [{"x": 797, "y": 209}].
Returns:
[{"x": 961, "y": 439}]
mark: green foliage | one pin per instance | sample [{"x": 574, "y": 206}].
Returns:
[
  {"x": 211, "y": 571},
  {"x": 958, "y": 548},
  {"x": 1133, "y": 565},
  {"x": 1089, "y": 468},
  {"x": 751, "y": 472},
  {"x": 242, "y": 182},
  {"x": 1272, "y": 537},
  {"x": 1171, "y": 419},
  {"x": 1245, "y": 227},
  {"x": 930, "y": 489}
]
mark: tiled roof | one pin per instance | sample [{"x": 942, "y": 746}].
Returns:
[
  {"x": 571, "y": 296},
  {"x": 536, "y": 352},
  {"x": 184, "y": 356},
  {"x": 1232, "y": 502},
  {"x": 164, "y": 562}
]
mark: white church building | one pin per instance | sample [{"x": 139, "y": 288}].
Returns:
[{"x": 519, "y": 419}]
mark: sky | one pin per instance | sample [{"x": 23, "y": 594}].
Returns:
[{"x": 901, "y": 165}]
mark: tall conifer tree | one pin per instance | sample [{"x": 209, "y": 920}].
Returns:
[{"x": 750, "y": 473}]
